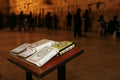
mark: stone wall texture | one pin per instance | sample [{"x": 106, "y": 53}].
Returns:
[{"x": 106, "y": 7}]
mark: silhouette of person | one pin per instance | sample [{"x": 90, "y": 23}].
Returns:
[
  {"x": 86, "y": 21},
  {"x": 30, "y": 22},
  {"x": 12, "y": 21},
  {"x": 77, "y": 23},
  {"x": 1, "y": 20},
  {"x": 48, "y": 20},
  {"x": 102, "y": 24},
  {"x": 21, "y": 19},
  {"x": 113, "y": 25},
  {"x": 69, "y": 21},
  {"x": 55, "y": 21},
  {"x": 40, "y": 21}
]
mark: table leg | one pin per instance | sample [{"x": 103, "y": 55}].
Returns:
[
  {"x": 61, "y": 72},
  {"x": 28, "y": 76}
]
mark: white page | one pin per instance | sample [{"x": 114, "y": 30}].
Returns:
[
  {"x": 20, "y": 48},
  {"x": 43, "y": 56},
  {"x": 26, "y": 53}
]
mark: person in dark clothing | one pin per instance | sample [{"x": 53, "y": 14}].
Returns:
[
  {"x": 40, "y": 24},
  {"x": 77, "y": 23},
  {"x": 30, "y": 22},
  {"x": 103, "y": 26},
  {"x": 113, "y": 25},
  {"x": 86, "y": 21},
  {"x": 55, "y": 21},
  {"x": 48, "y": 20},
  {"x": 1, "y": 20},
  {"x": 21, "y": 19},
  {"x": 12, "y": 21},
  {"x": 69, "y": 21}
]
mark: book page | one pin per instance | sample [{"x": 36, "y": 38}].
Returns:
[
  {"x": 36, "y": 47},
  {"x": 20, "y": 48},
  {"x": 42, "y": 56},
  {"x": 41, "y": 44},
  {"x": 26, "y": 53}
]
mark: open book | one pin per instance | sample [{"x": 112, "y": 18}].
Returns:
[
  {"x": 44, "y": 55},
  {"x": 36, "y": 47},
  {"x": 42, "y": 51}
]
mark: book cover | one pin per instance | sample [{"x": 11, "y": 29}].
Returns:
[
  {"x": 43, "y": 56},
  {"x": 64, "y": 46}
]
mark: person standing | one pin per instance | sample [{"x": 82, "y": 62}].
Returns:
[
  {"x": 55, "y": 21},
  {"x": 102, "y": 24},
  {"x": 113, "y": 25},
  {"x": 48, "y": 21},
  {"x": 69, "y": 21},
  {"x": 86, "y": 20},
  {"x": 30, "y": 22},
  {"x": 78, "y": 24},
  {"x": 1, "y": 20},
  {"x": 21, "y": 19},
  {"x": 12, "y": 21}
]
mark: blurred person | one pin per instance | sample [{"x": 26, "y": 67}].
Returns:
[
  {"x": 12, "y": 21},
  {"x": 55, "y": 21},
  {"x": 86, "y": 20},
  {"x": 78, "y": 24},
  {"x": 1, "y": 20},
  {"x": 103, "y": 26},
  {"x": 69, "y": 21},
  {"x": 21, "y": 18},
  {"x": 30, "y": 20},
  {"x": 48, "y": 21},
  {"x": 113, "y": 25}
]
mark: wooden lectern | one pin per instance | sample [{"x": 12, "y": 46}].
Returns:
[{"x": 58, "y": 62}]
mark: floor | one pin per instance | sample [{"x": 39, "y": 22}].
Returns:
[{"x": 100, "y": 61}]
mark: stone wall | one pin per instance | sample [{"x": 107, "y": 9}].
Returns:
[
  {"x": 61, "y": 7},
  {"x": 4, "y": 6}
]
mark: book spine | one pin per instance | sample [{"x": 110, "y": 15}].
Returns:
[{"x": 66, "y": 49}]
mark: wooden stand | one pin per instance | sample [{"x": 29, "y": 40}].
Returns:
[{"x": 58, "y": 62}]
